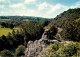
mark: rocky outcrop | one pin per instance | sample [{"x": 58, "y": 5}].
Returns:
[{"x": 37, "y": 48}]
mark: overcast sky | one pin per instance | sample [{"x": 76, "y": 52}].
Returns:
[{"x": 40, "y": 8}]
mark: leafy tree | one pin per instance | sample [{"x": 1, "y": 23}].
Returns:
[
  {"x": 60, "y": 50},
  {"x": 20, "y": 51},
  {"x": 68, "y": 50},
  {"x": 55, "y": 46},
  {"x": 3, "y": 24},
  {"x": 6, "y": 53},
  {"x": 26, "y": 36},
  {"x": 13, "y": 33},
  {"x": 17, "y": 31},
  {"x": 33, "y": 28},
  {"x": 4, "y": 42},
  {"x": 52, "y": 32},
  {"x": 4, "y": 38},
  {"x": 72, "y": 31},
  {"x": 11, "y": 26}
]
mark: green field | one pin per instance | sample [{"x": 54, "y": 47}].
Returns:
[
  {"x": 3, "y": 20},
  {"x": 5, "y": 31}
]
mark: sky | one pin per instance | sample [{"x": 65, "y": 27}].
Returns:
[{"x": 37, "y": 8}]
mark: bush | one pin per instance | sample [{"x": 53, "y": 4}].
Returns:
[
  {"x": 20, "y": 51},
  {"x": 55, "y": 46},
  {"x": 59, "y": 50},
  {"x": 33, "y": 28},
  {"x": 68, "y": 50},
  {"x": 71, "y": 31},
  {"x": 5, "y": 53}
]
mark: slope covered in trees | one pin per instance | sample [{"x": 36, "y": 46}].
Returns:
[
  {"x": 69, "y": 21},
  {"x": 69, "y": 15}
]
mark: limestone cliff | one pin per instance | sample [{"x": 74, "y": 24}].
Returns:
[{"x": 37, "y": 48}]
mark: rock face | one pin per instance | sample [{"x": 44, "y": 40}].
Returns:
[{"x": 37, "y": 48}]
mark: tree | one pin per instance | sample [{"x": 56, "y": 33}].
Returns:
[
  {"x": 11, "y": 26},
  {"x": 25, "y": 38},
  {"x": 4, "y": 38},
  {"x": 33, "y": 28},
  {"x": 17, "y": 31},
  {"x": 6, "y": 53},
  {"x": 3, "y": 24},
  {"x": 71, "y": 31},
  {"x": 20, "y": 51},
  {"x": 61, "y": 50},
  {"x": 5, "y": 42},
  {"x": 68, "y": 50},
  {"x": 13, "y": 33},
  {"x": 52, "y": 32}
]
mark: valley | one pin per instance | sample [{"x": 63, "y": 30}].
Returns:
[{"x": 28, "y": 36}]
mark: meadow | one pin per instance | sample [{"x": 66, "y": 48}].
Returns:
[
  {"x": 5, "y": 31},
  {"x": 4, "y": 19}
]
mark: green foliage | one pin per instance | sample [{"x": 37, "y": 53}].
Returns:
[
  {"x": 63, "y": 18},
  {"x": 3, "y": 42},
  {"x": 71, "y": 31},
  {"x": 63, "y": 51},
  {"x": 20, "y": 51},
  {"x": 33, "y": 28},
  {"x": 53, "y": 30},
  {"x": 68, "y": 50},
  {"x": 6, "y": 53},
  {"x": 13, "y": 19},
  {"x": 7, "y": 25},
  {"x": 12, "y": 40},
  {"x": 25, "y": 37},
  {"x": 55, "y": 46},
  {"x": 69, "y": 22}
]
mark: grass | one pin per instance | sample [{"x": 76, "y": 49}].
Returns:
[
  {"x": 5, "y": 31},
  {"x": 4, "y": 19}
]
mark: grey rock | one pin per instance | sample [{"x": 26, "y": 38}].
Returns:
[{"x": 37, "y": 48}]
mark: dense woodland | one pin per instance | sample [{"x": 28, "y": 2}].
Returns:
[
  {"x": 69, "y": 21},
  {"x": 28, "y": 30}
]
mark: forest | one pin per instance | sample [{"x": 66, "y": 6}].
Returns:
[{"x": 25, "y": 31}]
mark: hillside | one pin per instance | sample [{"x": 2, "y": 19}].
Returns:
[
  {"x": 69, "y": 22},
  {"x": 12, "y": 19},
  {"x": 63, "y": 18}
]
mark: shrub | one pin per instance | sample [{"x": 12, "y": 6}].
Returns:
[
  {"x": 20, "y": 51},
  {"x": 59, "y": 50},
  {"x": 68, "y": 50},
  {"x": 5, "y": 53},
  {"x": 55, "y": 46}
]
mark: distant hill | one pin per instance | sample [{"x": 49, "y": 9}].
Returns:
[
  {"x": 63, "y": 18},
  {"x": 22, "y": 18}
]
